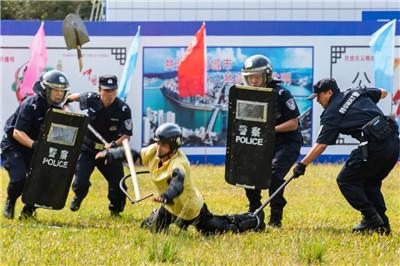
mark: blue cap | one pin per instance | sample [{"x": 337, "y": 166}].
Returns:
[
  {"x": 324, "y": 85},
  {"x": 108, "y": 82}
]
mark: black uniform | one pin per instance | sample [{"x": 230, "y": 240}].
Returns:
[
  {"x": 361, "y": 177},
  {"x": 286, "y": 150},
  {"x": 111, "y": 122},
  {"x": 16, "y": 158}
]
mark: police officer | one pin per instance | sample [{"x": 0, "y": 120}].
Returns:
[
  {"x": 354, "y": 112},
  {"x": 21, "y": 132},
  {"x": 182, "y": 202},
  {"x": 111, "y": 118},
  {"x": 257, "y": 72}
]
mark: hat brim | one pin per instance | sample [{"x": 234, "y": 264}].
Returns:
[
  {"x": 312, "y": 96},
  {"x": 108, "y": 87}
]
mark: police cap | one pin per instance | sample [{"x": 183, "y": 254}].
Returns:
[
  {"x": 108, "y": 82},
  {"x": 324, "y": 85}
]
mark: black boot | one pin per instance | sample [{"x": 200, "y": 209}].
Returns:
[
  {"x": 116, "y": 210},
  {"x": 27, "y": 212},
  {"x": 370, "y": 222},
  {"x": 114, "y": 213},
  {"x": 9, "y": 209},
  {"x": 384, "y": 230},
  {"x": 75, "y": 203},
  {"x": 261, "y": 217},
  {"x": 275, "y": 220}
]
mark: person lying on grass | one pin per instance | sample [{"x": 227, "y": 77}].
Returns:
[{"x": 182, "y": 202}]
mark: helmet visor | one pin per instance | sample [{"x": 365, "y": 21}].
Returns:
[
  {"x": 56, "y": 96},
  {"x": 255, "y": 79}
]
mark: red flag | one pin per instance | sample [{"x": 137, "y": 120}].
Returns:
[
  {"x": 397, "y": 113},
  {"x": 192, "y": 67},
  {"x": 396, "y": 96}
]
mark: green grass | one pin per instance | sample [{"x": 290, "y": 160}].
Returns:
[{"x": 316, "y": 229}]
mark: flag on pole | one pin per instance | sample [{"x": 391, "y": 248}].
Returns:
[
  {"x": 193, "y": 66},
  {"x": 36, "y": 64},
  {"x": 129, "y": 67},
  {"x": 382, "y": 46},
  {"x": 396, "y": 89}
]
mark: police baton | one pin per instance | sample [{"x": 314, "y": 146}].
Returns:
[
  {"x": 272, "y": 196},
  {"x": 135, "y": 182}
]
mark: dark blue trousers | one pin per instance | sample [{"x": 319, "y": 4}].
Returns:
[
  {"x": 285, "y": 155},
  {"x": 16, "y": 163},
  {"x": 113, "y": 173},
  {"x": 360, "y": 182}
]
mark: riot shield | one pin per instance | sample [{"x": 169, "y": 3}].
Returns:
[
  {"x": 251, "y": 136},
  {"x": 53, "y": 162}
]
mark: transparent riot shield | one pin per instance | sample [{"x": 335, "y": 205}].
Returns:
[
  {"x": 251, "y": 136},
  {"x": 53, "y": 162}
]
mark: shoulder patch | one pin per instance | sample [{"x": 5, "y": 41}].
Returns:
[
  {"x": 128, "y": 124},
  {"x": 291, "y": 104}
]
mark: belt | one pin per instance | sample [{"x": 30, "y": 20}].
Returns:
[{"x": 92, "y": 144}]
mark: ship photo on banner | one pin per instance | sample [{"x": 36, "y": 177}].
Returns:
[{"x": 204, "y": 118}]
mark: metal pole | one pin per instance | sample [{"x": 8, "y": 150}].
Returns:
[{"x": 273, "y": 195}]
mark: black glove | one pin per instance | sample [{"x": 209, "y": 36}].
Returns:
[
  {"x": 165, "y": 199},
  {"x": 109, "y": 157},
  {"x": 115, "y": 154},
  {"x": 114, "y": 144},
  {"x": 299, "y": 170}
]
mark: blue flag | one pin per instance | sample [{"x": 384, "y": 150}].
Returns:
[
  {"x": 129, "y": 67},
  {"x": 382, "y": 46}
]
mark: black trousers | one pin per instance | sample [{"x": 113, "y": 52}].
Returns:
[
  {"x": 16, "y": 163},
  {"x": 206, "y": 222},
  {"x": 285, "y": 155},
  {"x": 360, "y": 182},
  {"x": 113, "y": 173}
]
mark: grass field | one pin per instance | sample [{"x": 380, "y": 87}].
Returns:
[{"x": 316, "y": 229}]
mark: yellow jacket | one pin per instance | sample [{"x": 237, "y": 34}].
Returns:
[{"x": 188, "y": 204}]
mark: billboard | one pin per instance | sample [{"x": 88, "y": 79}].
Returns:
[
  {"x": 301, "y": 54},
  {"x": 204, "y": 118}
]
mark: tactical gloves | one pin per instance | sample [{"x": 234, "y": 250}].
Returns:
[{"x": 299, "y": 170}]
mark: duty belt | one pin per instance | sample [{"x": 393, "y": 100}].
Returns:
[{"x": 93, "y": 145}]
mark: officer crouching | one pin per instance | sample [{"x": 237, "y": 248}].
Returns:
[
  {"x": 22, "y": 130},
  {"x": 111, "y": 118},
  {"x": 354, "y": 112}
]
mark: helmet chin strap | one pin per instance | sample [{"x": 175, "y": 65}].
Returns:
[{"x": 168, "y": 155}]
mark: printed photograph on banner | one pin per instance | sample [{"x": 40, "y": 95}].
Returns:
[
  {"x": 352, "y": 66},
  {"x": 97, "y": 61},
  {"x": 204, "y": 118}
]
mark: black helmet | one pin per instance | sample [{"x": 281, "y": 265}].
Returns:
[
  {"x": 54, "y": 79},
  {"x": 169, "y": 133},
  {"x": 257, "y": 64}
]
